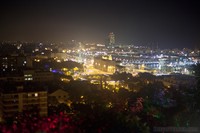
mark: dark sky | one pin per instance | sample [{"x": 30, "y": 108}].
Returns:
[{"x": 168, "y": 23}]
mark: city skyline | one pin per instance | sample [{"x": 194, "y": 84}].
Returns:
[
  {"x": 99, "y": 66},
  {"x": 169, "y": 24}
]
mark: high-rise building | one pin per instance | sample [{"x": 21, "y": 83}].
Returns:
[
  {"x": 17, "y": 99},
  {"x": 111, "y": 37}
]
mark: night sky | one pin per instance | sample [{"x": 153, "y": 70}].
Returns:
[{"x": 168, "y": 23}]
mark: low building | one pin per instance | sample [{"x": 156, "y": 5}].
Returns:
[{"x": 57, "y": 96}]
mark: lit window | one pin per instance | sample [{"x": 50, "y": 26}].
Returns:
[
  {"x": 27, "y": 75},
  {"x": 30, "y": 78},
  {"x": 36, "y": 94}
]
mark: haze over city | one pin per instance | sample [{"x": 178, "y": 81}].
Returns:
[
  {"x": 170, "y": 23},
  {"x": 99, "y": 66}
]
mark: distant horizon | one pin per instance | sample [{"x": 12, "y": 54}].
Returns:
[{"x": 150, "y": 45}]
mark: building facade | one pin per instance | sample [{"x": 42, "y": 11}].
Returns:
[
  {"x": 29, "y": 75},
  {"x": 13, "y": 62},
  {"x": 103, "y": 64},
  {"x": 23, "y": 99}
]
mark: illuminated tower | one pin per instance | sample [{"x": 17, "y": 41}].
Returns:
[{"x": 111, "y": 37}]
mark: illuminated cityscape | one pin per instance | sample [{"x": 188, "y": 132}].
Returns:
[
  {"x": 99, "y": 66},
  {"x": 27, "y": 73}
]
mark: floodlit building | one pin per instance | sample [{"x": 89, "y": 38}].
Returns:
[{"x": 105, "y": 64}]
